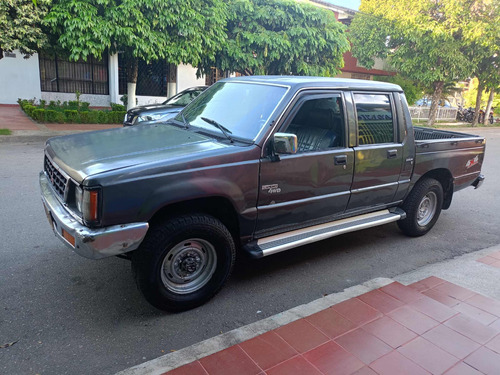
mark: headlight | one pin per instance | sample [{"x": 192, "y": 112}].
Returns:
[
  {"x": 88, "y": 202},
  {"x": 152, "y": 117}
]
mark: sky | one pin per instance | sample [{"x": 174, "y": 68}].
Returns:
[{"x": 351, "y": 4}]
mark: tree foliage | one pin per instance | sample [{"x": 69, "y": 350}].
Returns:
[
  {"x": 179, "y": 31},
  {"x": 280, "y": 37},
  {"x": 427, "y": 40},
  {"x": 20, "y": 25},
  {"x": 413, "y": 90}
]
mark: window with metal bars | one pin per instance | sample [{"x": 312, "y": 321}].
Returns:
[
  {"x": 152, "y": 78},
  {"x": 58, "y": 74}
]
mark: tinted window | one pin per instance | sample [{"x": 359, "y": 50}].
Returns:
[
  {"x": 374, "y": 118},
  {"x": 242, "y": 108},
  {"x": 183, "y": 98},
  {"x": 318, "y": 124}
]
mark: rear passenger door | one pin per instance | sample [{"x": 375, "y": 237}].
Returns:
[
  {"x": 378, "y": 153},
  {"x": 311, "y": 186}
]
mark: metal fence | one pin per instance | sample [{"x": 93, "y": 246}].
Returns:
[
  {"x": 443, "y": 113},
  {"x": 152, "y": 78},
  {"x": 58, "y": 74}
]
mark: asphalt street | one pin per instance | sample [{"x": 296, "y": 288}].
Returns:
[{"x": 70, "y": 315}]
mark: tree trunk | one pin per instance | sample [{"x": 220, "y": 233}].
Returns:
[
  {"x": 132, "y": 70},
  {"x": 488, "y": 107},
  {"x": 436, "y": 96},
  {"x": 480, "y": 88}
]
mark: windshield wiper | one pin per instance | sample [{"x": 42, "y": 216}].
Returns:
[
  {"x": 222, "y": 128},
  {"x": 186, "y": 123}
]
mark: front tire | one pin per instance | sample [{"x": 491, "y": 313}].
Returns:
[
  {"x": 423, "y": 207},
  {"x": 183, "y": 262}
]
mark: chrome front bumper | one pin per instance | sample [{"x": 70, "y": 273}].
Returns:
[{"x": 90, "y": 243}]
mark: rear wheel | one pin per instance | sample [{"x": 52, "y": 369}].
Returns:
[
  {"x": 423, "y": 207},
  {"x": 183, "y": 262}
]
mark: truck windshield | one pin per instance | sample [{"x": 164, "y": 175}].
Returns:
[{"x": 242, "y": 108}]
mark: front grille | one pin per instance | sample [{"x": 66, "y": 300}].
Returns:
[{"x": 56, "y": 178}]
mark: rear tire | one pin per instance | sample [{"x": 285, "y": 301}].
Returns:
[
  {"x": 183, "y": 262},
  {"x": 423, "y": 207}
]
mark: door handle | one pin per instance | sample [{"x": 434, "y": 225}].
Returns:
[
  {"x": 340, "y": 160},
  {"x": 392, "y": 154}
]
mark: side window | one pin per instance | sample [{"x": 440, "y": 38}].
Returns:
[
  {"x": 374, "y": 118},
  {"x": 318, "y": 124}
]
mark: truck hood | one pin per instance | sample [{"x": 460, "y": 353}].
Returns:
[{"x": 85, "y": 154}]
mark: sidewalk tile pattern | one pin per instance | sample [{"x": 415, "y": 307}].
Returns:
[
  {"x": 492, "y": 259},
  {"x": 429, "y": 327}
]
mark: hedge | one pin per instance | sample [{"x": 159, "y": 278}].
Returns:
[{"x": 72, "y": 112}]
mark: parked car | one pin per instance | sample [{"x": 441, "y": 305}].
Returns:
[
  {"x": 151, "y": 113},
  {"x": 255, "y": 165}
]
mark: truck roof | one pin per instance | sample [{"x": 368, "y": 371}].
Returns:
[{"x": 299, "y": 82}]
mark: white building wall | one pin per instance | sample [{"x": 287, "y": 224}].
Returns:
[
  {"x": 186, "y": 77},
  {"x": 94, "y": 100},
  {"x": 19, "y": 78}
]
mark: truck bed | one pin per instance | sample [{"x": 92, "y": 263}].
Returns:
[
  {"x": 427, "y": 134},
  {"x": 459, "y": 153}
]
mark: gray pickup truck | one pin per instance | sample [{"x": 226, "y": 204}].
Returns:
[{"x": 257, "y": 165}]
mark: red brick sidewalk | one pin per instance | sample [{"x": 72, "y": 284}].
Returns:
[
  {"x": 13, "y": 118},
  {"x": 430, "y": 327}
]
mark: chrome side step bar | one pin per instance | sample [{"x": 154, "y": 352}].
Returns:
[{"x": 285, "y": 241}]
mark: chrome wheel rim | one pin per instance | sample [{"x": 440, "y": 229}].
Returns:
[
  {"x": 188, "y": 266},
  {"x": 427, "y": 208}
]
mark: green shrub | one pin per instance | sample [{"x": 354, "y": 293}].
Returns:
[
  {"x": 73, "y": 104},
  {"x": 84, "y": 106},
  {"x": 94, "y": 117},
  {"x": 54, "y": 116},
  {"x": 86, "y": 117},
  {"x": 42, "y": 104},
  {"x": 38, "y": 114},
  {"x": 52, "y": 105},
  {"x": 117, "y": 107},
  {"x": 28, "y": 108},
  {"x": 72, "y": 115},
  {"x": 23, "y": 103},
  {"x": 117, "y": 117}
]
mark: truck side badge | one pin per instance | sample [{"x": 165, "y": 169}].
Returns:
[
  {"x": 272, "y": 189},
  {"x": 472, "y": 162}
]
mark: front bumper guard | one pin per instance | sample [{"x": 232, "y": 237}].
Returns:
[{"x": 90, "y": 243}]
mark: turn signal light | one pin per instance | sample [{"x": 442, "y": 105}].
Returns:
[
  {"x": 91, "y": 202},
  {"x": 68, "y": 237}
]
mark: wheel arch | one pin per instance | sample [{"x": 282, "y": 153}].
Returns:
[
  {"x": 219, "y": 207},
  {"x": 445, "y": 178}
]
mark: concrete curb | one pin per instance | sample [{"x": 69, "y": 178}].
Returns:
[{"x": 215, "y": 344}]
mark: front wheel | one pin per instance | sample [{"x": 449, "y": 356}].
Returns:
[
  {"x": 183, "y": 262},
  {"x": 422, "y": 206}
]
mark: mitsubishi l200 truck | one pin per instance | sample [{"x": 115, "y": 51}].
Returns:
[{"x": 254, "y": 164}]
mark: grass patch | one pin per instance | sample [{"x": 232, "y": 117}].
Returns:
[{"x": 5, "y": 132}]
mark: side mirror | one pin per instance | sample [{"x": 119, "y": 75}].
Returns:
[{"x": 285, "y": 143}]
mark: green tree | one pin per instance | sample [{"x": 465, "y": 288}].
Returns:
[
  {"x": 280, "y": 37},
  {"x": 428, "y": 41},
  {"x": 20, "y": 25},
  {"x": 413, "y": 90},
  {"x": 179, "y": 31}
]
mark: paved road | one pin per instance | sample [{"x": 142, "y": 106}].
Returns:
[{"x": 70, "y": 315}]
